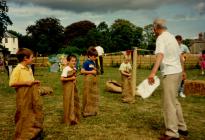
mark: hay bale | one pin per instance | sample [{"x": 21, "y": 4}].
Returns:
[
  {"x": 194, "y": 87},
  {"x": 45, "y": 90},
  {"x": 113, "y": 86}
]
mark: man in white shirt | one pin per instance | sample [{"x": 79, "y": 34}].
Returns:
[
  {"x": 100, "y": 51},
  {"x": 184, "y": 49},
  {"x": 168, "y": 58}
]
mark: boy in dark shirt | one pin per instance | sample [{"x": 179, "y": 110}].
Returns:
[{"x": 90, "y": 91}]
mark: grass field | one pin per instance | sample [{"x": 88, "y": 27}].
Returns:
[{"x": 116, "y": 121}]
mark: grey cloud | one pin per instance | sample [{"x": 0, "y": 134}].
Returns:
[
  {"x": 200, "y": 7},
  {"x": 180, "y": 17},
  {"x": 102, "y": 5},
  {"x": 185, "y": 18},
  {"x": 90, "y": 5}
]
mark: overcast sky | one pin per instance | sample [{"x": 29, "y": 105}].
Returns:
[{"x": 185, "y": 17}]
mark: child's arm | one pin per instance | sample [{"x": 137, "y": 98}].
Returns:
[
  {"x": 125, "y": 73},
  {"x": 72, "y": 78},
  {"x": 83, "y": 71},
  {"x": 68, "y": 75},
  {"x": 26, "y": 83}
]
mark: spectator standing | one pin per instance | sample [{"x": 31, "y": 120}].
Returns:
[
  {"x": 202, "y": 62},
  {"x": 1, "y": 64},
  {"x": 99, "y": 61},
  {"x": 184, "y": 50}
]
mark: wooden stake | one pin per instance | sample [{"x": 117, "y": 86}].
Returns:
[{"x": 134, "y": 71}]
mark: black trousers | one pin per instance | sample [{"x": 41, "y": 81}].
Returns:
[{"x": 100, "y": 66}]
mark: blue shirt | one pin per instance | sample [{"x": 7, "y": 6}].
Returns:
[
  {"x": 89, "y": 65},
  {"x": 184, "y": 48}
]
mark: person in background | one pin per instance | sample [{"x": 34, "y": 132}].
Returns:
[
  {"x": 71, "y": 101},
  {"x": 182, "y": 46},
  {"x": 126, "y": 70},
  {"x": 10, "y": 62},
  {"x": 1, "y": 64},
  {"x": 29, "y": 107},
  {"x": 184, "y": 50},
  {"x": 99, "y": 65},
  {"x": 168, "y": 57},
  {"x": 33, "y": 68},
  {"x": 202, "y": 62},
  {"x": 90, "y": 90}
]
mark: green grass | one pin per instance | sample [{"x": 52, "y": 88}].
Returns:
[{"x": 116, "y": 121}]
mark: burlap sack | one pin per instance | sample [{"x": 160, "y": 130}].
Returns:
[
  {"x": 45, "y": 90},
  {"x": 91, "y": 95},
  {"x": 127, "y": 94},
  {"x": 71, "y": 103},
  {"x": 113, "y": 86},
  {"x": 29, "y": 113}
]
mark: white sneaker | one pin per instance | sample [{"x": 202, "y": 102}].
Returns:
[{"x": 182, "y": 95}]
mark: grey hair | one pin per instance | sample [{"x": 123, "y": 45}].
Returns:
[{"x": 159, "y": 24}]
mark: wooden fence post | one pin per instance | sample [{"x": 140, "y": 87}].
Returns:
[{"x": 134, "y": 71}]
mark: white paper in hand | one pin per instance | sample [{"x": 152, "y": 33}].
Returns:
[{"x": 145, "y": 89}]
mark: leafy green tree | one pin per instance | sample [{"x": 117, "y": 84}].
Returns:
[
  {"x": 15, "y": 33},
  {"x": 100, "y": 36},
  {"x": 138, "y": 36},
  {"x": 78, "y": 29},
  {"x": 187, "y": 42},
  {"x": 125, "y": 35},
  {"x": 148, "y": 38},
  {"x": 80, "y": 43},
  {"x": 76, "y": 35},
  {"x": 47, "y": 35},
  {"x": 70, "y": 50},
  {"x": 4, "y": 19},
  {"x": 105, "y": 36},
  {"x": 93, "y": 37},
  {"x": 102, "y": 27}
]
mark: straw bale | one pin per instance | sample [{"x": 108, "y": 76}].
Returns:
[
  {"x": 194, "y": 87},
  {"x": 43, "y": 90}
]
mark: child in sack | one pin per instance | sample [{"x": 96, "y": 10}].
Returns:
[
  {"x": 70, "y": 93},
  {"x": 29, "y": 113},
  {"x": 125, "y": 70},
  {"x": 90, "y": 91}
]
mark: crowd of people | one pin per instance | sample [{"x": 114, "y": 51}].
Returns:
[{"x": 169, "y": 57}]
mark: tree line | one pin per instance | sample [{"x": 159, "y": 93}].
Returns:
[
  {"x": 4, "y": 21},
  {"x": 48, "y": 36}
]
